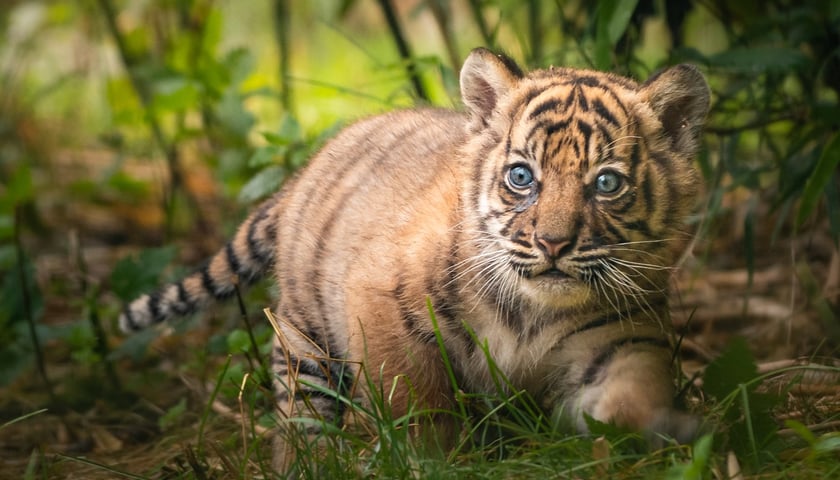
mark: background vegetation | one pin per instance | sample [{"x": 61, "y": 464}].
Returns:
[{"x": 134, "y": 136}]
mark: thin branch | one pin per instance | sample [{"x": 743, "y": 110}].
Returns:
[
  {"x": 27, "y": 308},
  {"x": 403, "y": 48},
  {"x": 243, "y": 312},
  {"x": 754, "y": 125},
  {"x": 90, "y": 295}
]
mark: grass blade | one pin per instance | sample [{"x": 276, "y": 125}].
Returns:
[{"x": 822, "y": 174}]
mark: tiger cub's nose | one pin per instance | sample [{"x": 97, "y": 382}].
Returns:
[{"x": 556, "y": 247}]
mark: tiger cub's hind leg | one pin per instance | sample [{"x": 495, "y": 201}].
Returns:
[{"x": 311, "y": 391}]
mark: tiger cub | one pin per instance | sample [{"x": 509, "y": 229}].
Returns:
[{"x": 542, "y": 223}]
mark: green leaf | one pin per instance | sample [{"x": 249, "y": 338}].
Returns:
[
  {"x": 175, "y": 94},
  {"x": 617, "y": 17},
  {"x": 212, "y": 33},
  {"x": 828, "y": 443},
  {"x": 173, "y": 415},
  {"x": 263, "y": 183},
  {"x": 734, "y": 367},
  {"x": 18, "y": 190},
  {"x": 613, "y": 16},
  {"x": 290, "y": 129},
  {"x": 802, "y": 431},
  {"x": 7, "y": 228},
  {"x": 698, "y": 465},
  {"x": 135, "y": 275},
  {"x": 232, "y": 113},
  {"x": 267, "y": 155},
  {"x": 819, "y": 178},
  {"x": 759, "y": 59},
  {"x": 239, "y": 63},
  {"x": 238, "y": 341}
]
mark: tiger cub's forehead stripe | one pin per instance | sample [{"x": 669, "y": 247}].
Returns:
[{"x": 567, "y": 115}]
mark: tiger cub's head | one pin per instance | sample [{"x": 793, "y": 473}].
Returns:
[{"x": 582, "y": 180}]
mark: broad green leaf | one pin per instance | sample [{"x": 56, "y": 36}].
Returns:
[
  {"x": 212, "y": 34},
  {"x": 175, "y": 94},
  {"x": 238, "y": 341},
  {"x": 613, "y": 16},
  {"x": 17, "y": 190},
  {"x": 759, "y": 59},
  {"x": 735, "y": 366},
  {"x": 232, "y": 113},
  {"x": 239, "y": 63},
  {"x": 828, "y": 443},
  {"x": 263, "y": 183},
  {"x": 267, "y": 155},
  {"x": 290, "y": 129},
  {"x": 137, "y": 274},
  {"x": 618, "y": 14},
  {"x": 819, "y": 178}
]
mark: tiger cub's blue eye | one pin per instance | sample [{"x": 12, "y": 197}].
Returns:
[
  {"x": 608, "y": 183},
  {"x": 520, "y": 176}
]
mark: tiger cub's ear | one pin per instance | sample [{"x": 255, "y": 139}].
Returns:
[
  {"x": 679, "y": 96},
  {"x": 485, "y": 78}
]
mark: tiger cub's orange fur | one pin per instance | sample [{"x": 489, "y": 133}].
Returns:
[{"x": 544, "y": 220}]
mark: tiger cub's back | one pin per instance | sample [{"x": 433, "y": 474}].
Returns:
[{"x": 383, "y": 188}]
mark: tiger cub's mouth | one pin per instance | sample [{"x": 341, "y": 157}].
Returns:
[
  {"x": 553, "y": 273},
  {"x": 548, "y": 273}
]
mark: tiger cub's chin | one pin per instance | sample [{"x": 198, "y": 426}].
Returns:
[{"x": 556, "y": 292}]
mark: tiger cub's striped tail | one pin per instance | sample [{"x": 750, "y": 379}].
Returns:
[{"x": 245, "y": 259}]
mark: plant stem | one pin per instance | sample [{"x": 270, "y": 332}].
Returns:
[
  {"x": 255, "y": 348},
  {"x": 535, "y": 31},
  {"x": 145, "y": 96},
  {"x": 754, "y": 125},
  {"x": 404, "y": 49},
  {"x": 27, "y": 308},
  {"x": 443, "y": 18},
  {"x": 478, "y": 16},
  {"x": 282, "y": 27},
  {"x": 93, "y": 313}
]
